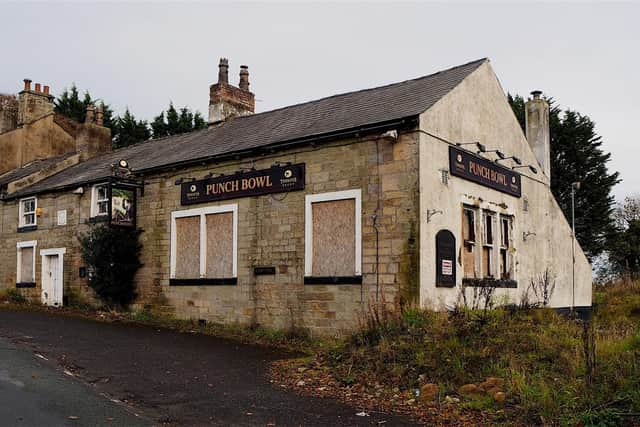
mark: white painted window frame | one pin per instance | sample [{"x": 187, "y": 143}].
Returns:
[
  {"x": 94, "y": 200},
  {"x": 309, "y": 200},
  {"x": 19, "y": 246},
  {"x": 22, "y": 213},
  {"x": 202, "y": 213}
]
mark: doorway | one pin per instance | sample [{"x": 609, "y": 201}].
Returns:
[{"x": 52, "y": 276}]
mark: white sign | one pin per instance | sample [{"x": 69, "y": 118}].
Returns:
[
  {"x": 62, "y": 217},
  {"x": 447, "y": 267}
]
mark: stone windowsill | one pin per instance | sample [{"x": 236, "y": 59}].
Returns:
[
  {"x": 204, "y": 282},
  {"x": 21, "y": 285},
  {"x": 27, "y": 228},
  {"x": 333, "y": 280},
  {"x": 490, "y": 283}
]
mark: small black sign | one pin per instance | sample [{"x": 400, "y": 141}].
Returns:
[
  {"x": 122, "y": 206},
  {"x": 482, "y": 171},
  {"x": 278, "y": 179},
  {"x": 264, "y": 271},
  {"x": 445, "y": 259}
]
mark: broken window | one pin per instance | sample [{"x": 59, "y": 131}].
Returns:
[
  {"x": 487, "y": 243},
  {"x": 506, "y": 223},
  {"x": 469, "y": 241}
]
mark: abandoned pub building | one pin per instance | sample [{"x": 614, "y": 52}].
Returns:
[{"x": 303, "y": 216}]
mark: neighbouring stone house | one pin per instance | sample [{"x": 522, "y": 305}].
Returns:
[{"x": 305, "y": 216}]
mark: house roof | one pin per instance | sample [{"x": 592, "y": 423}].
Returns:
[
  {"x": 31, "y": 168},
  {"x": 338, "y": 113}
]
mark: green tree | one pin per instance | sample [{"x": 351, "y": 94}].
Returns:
[
  {"x": 577, "y": 155},
  {"x": 623, "y": 247},
  {"x": 127, "y": 130},
  {"x": 70, "y": 105},
  {"x": 113, "y": 255},
  {"x": 177, "y": 122}
]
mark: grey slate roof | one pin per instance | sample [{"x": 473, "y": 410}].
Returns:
[
  {"x": 30, "y": 168},
  {"x": 310, "y": 119}
]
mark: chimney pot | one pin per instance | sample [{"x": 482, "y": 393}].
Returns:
[
  {"x": 38, "y": 87},
  {"x": 536, "y": 94},
  {"x": 223, "y": 71},
  {"x": 99, "y": 115},
  {"x": 46, "y": 90},
  {"x": 27, "y": 84},
  {"x": 244, "y": 78},
  {"x": 90, "y": 114}
]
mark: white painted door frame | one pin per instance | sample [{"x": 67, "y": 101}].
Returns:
[{"x": 48, "y": 284}]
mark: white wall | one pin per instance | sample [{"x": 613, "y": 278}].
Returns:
[{"x": 477, "y": 110}]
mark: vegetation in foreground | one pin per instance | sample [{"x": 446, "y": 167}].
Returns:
[{"x": 505, "y": 366}]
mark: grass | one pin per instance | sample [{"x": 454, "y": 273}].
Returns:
[{"x": 541, "y": 356}]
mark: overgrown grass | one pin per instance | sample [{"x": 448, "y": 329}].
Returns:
[{"x": 539, "y": 354}]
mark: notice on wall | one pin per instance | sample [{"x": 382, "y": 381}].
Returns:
[
  {"x": 445, "y": 259},
  {"x": 482, "y": 171},
  {"x": 447, "y": 267},
  {"x": 278, "y": 179}
]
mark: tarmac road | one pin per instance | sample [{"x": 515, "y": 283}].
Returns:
[
  {"x": 34, "y": 393},
  {"x": 167, "y": 377}
]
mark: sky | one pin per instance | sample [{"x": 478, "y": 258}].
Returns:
[{"x": 141, "y": 56}]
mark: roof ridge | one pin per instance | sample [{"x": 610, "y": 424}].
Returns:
[{"x": 367, "y": 89}]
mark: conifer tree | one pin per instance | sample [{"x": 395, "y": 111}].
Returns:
[
  {"x": 177, "y": 122},
  {"x": 577, "y": 156},
  {"x": 127, "y": 130}
]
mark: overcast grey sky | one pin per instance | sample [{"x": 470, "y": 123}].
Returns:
[{"x": 142, "y": 55}]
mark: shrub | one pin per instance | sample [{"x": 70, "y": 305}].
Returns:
[{"x": 113, "y": 258}]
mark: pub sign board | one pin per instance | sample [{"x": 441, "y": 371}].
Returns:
[
  {"x": 484, "y": 172},
  {"x": 122, "y": 205},
  {"x": 277, "y": 179}
]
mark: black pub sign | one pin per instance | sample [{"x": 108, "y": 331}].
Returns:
[
  {"x": 277, "y": 179},
  {"x": 484, "y": 172}
]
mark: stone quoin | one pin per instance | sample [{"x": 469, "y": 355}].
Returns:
[{"x": 300, "y": 217}]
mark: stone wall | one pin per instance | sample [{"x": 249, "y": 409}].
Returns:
[
  {"x": 271, "y": 232},
  {"x": 8, "y": 113}
]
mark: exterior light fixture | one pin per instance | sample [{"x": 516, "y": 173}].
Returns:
[
  {"x": 515, "y": 159},
  {"x": 531, "y": 168},
  {"x": 499, "y": 153},
  {"x": 481, "y": 147},
  {"x": 123, "y": 163}
]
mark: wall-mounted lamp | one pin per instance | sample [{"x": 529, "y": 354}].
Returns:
[
  {"x": 432, "y": 212},
  {"x": 499, "y": 153},
  {"x": 531, "y": 168},
  {"x": 526, "y": 234},
  {"x": 516, "y": 160},
  {"x": 481, "y": 147}
]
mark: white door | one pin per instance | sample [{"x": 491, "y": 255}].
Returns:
[{"x": 52, "y": 280}]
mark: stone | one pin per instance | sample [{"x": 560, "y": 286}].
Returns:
[
  {"x": 468, "y": 389},
  {"x": 500, "y": 397},
  {"x": 429, "y": 392}
]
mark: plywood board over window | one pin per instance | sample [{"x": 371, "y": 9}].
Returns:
[
  {"x": 26, "y": 267},
  {"x": 219, "y": 245},
  {"x": 334, "y": 238},
  {"x": 187, "y": 263}
]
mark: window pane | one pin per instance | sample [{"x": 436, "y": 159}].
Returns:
[
  {"x": 102, "y": 193},
  {"x": 486, "y": 262},
  {"x": 188, "y": 248},
  {"x": 488, "y": 231},
  {"x": 219, "y": 245},
  {"x": 29, "y": 205},
  {"x": 103, "y": 208},
  {"x": 29, "y": 219},
  {"x": 334, "y": 228},
  {"x": 26, "y": 267}
]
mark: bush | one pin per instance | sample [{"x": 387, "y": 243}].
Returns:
[{"x": 113, "y": 258}]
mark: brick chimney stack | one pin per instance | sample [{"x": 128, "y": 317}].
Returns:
[
  {"x": 223, "y": 71},
  {"x": 33, "y": 104},
  {"x": 90, "y": 114},
  {"x": 100, "y": 115},
  {"x": 537, "y": 130},
  {"x": 244, "y": 78},
  {"x": 227, "y": 101}
]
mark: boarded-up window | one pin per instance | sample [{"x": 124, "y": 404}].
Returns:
[
  {"x": 26, "y": 265},
  {"x": 469, "y": 237},
  {"x": 506, "y": 243},
  {"x": 334, "y": 238},
  {"x": 219, "y": 260},
  {"x": 187, "y": 263}
]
